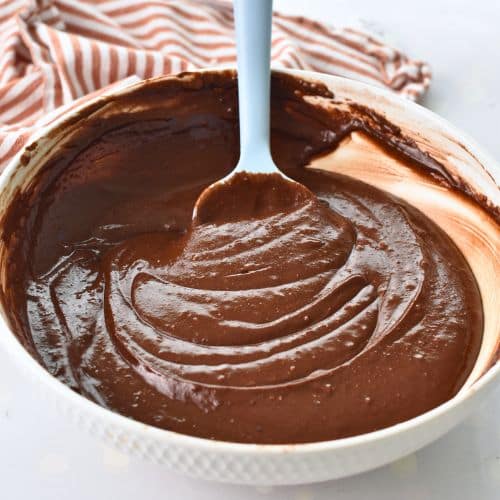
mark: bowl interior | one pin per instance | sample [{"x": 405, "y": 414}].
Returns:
[
  {"x": 471, "y": 227},
  {"x": 475, "y": 232}
]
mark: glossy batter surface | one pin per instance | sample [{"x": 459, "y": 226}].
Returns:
[{"x": 270, "y": 323}]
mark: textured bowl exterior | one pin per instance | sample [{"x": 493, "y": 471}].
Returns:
[{"x": 262, "y": 464}]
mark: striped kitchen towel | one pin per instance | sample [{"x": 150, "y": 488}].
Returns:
[{"x": 53, "y": 52}]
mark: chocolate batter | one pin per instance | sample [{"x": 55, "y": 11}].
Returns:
[{"x": 266, "y": 322}]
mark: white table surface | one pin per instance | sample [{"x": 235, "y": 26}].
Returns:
[{"x": 42, "y": 457}]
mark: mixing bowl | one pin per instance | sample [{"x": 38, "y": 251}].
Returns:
[{"x": 476, "y": 234}]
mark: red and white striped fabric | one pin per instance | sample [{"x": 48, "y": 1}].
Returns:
[{"x": 55, "y": 51}]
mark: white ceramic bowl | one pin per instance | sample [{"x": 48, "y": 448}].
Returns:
[{"x": 301, "y": 463}]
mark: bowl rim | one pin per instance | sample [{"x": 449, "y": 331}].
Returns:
[{"x": 168, "y": 437}]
